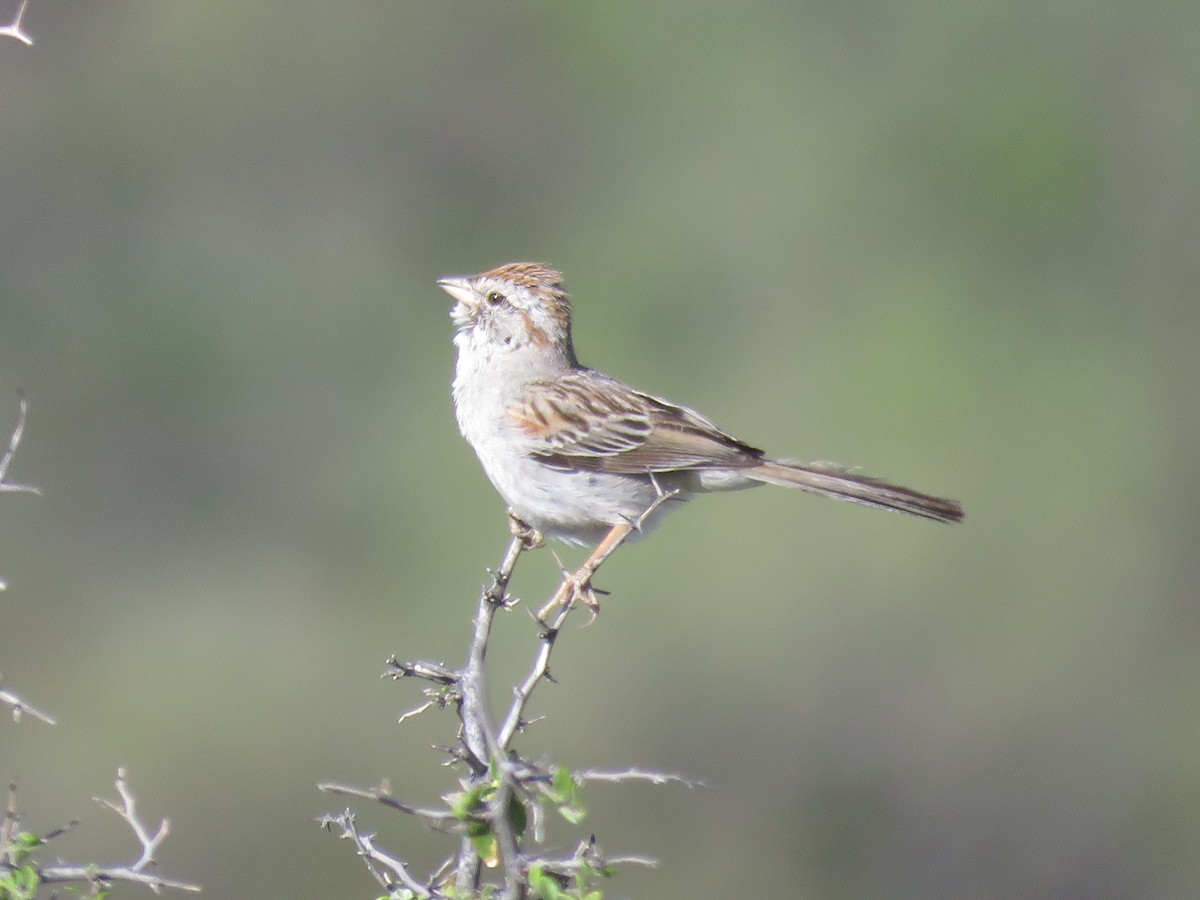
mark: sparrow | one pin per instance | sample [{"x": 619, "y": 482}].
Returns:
[{"x": 584, "y": 458}]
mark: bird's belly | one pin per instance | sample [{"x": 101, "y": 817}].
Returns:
[{"x": 576, "y": 506}]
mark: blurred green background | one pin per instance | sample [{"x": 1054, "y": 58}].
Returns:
[{"x": 954, "y": 244}]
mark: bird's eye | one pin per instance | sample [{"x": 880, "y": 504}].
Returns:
[{"x": 495, "y": 298}]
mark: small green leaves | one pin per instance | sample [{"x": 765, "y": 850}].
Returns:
[
  {"x": 474, "y": 807},
  {"x": 565, "y": 796},
  {"x": 20, "y": 880},
  {"x": 27, "y": 841},
  {"x": 20, "y": 883},
  {"x": 551, "y": 886},
  {"x": 543, "y": 885}
]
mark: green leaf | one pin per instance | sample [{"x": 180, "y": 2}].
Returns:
[
  {"x": 563, "y": 782},
  {"x": 477, "y": 829},
  {"x": 20, "y": 883},
  {"x": 565, "y": 790},
  {"x": 518, "y": 816},
  {"x": 545, "y": 886},
  {"x": 572, "y": 812},
  {"x": 487, "y": 847},
  {"x": 27, "y": 841},
  {"x": 28, "y": 878},
  {"x": 471, "y": 802},
  {"x": 457, "y": 803}
]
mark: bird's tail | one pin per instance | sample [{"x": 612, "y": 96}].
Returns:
[{"x": 842, "y": 484}]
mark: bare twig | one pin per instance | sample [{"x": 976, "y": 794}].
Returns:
[
  {"x": 445, "y": 680},
  {"x": 588, "y": 854},
  {"x": 108, "y": 874},
  {"x": 374, "y": 858},
  {"x": 7, "y": 697},
  {"x": 14, "y": 29},
  {"x": 135, "y": 873},
  {"x": 417, "y": 710},
  {"x": 436, "y": 819},
  {"x": 20, "y": 707},
  {"x": 438, "y": 673},
  {"x": 477, "y": 733},
  {"x": 583, "y": 776},
  {"x": 127, "y": 810},
  {"x": 14, "y": 442}
]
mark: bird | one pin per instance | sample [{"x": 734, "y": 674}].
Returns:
[{"x": 586, "y": 459}]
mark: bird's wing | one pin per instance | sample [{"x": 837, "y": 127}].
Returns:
[{"x": 590, "y": 421}]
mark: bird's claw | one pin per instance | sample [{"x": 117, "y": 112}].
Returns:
[
  {"x": 583, "y": 591},
  {"x": 574, "y": 589}
]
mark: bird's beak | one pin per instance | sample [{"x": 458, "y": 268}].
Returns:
[{"x": 459, "y": 288}]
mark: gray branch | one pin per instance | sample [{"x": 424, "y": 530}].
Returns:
[
  {"x": 376, "y": 860},
  {"x": 20, "y": 707},
  {"x": 11, "y": 699},
  {"x": 501, "y": 784},
  {"x": 14, "y": 28},
  {"x": 137, "y": 872},
  {"x": 14, "y": 441}
]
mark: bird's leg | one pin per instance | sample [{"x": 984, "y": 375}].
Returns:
[
  {"x": 519, "y": 528},
  {"x": 578, "y": 585}
]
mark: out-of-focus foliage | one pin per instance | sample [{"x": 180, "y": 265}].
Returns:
[{"x": 953, "y": 244}]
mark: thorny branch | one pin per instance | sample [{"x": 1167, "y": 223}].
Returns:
[
  {"x": 378, "y": 862},
  {"x": 98, "y": 877},
  {"x": 503, "y": 780},
  {"x": 588, "y": 854},
  {"x": 437, "y": 819},
  {"x": 478, "y": 734}
]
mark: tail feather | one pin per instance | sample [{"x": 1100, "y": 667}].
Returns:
[{"x": 830, "y": 481}]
